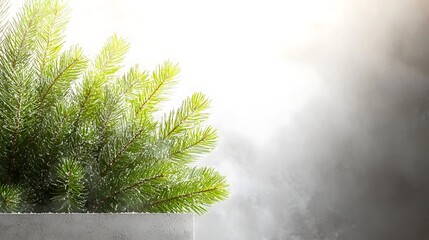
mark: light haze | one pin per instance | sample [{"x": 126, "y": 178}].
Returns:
[{"x": 321, "y": 107}]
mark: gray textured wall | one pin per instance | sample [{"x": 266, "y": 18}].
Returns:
[
  {"x": 97, "y": 226},
  {"x": 352, "y": 163}
]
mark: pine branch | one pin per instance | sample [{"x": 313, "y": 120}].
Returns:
[
  {"x": 155, "y": 91},
  {"x": 69, "y": 187},
  {"x": 107, "y": 116},
  {"x": 136, "y": 184},
  {"x": 11, "y": 198},
  {"x": 67, "y": 68},
  {"x": 15, "y": 133},
  {"x": 129, "y": 187},
  {"x": 4, "y": 7},
  {"x": 51, "y": 35},
  {"x": 109, "y": 60},
  {"x": 178, "y": 197},
  {"x": 191, "y": 190},
  {"x": 18, "y": 114},
  {"x": 122, "y": 151},
  {"x": 107, "y": 63},
  {"x": 193, "y": 144},
  {"x": 59, "y": 74},
  {"x": 112, "y": 109},
  {"x": 22, "y": 32},
  {"x": 57, "y": 134},
  {"x": 133, "y": 83},
  {"x": 19, "y": 107},
  {"x": 191, "y": 113}
]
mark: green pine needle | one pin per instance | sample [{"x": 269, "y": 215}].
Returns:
[
  {"x": 78, "y": 135},
  {"x": 11, "y": 198}
]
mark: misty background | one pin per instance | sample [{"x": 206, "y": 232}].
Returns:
[
  {"x": 321, "y": 107},
  {"x": 352, "y": 163}
]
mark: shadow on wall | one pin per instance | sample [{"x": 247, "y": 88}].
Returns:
[{"x": 354, "y": 163}]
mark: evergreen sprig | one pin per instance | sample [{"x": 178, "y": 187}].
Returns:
[{"x": 77, "y": 135}]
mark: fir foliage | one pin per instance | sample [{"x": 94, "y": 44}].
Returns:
[{"x": 77, "y": 135}]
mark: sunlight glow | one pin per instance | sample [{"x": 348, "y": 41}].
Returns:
[{"x": 241, "y": 53}]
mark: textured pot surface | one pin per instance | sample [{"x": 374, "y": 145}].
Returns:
[{"x": 98, "y": 226}]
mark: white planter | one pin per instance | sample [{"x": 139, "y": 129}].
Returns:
[{"x": 97, "y": 226}]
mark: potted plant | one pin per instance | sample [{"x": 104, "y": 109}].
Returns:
[{"x": 79, "y": 135}]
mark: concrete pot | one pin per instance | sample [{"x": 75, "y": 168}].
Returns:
[{"x": 96, "y": 226}]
